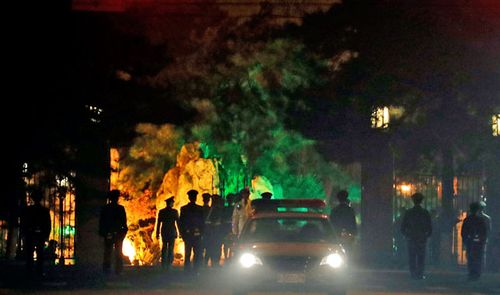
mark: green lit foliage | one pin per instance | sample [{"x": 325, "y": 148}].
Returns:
[
  {"x": 244, "y": 122},
  {"x": 152, "y": 153}
]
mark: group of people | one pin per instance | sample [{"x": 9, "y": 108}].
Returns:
[
  {"x": 416, "y": 227},
  {"x": 208, "y": 229}
]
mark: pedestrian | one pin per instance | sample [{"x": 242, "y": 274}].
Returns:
[
  {"x": 36, "y": 227},
  {"x": 113, "y": 228},
  {"x": 168, "y": 219},
  {"x": 228, "y": 236},
  {"x": 191, "y": 227},
  {"x": 264, "y": 204},
  {"x": 416, "y": 228},
  {"x": 206, "y": 197},
  {"x": 343, "y": 220},
  {"x": 215, "y": 227},
  {"x": 475, "y": 232},
  {"x": 242, "y": 211}
]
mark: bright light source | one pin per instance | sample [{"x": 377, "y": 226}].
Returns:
[
  {"x": 380, "y": 118},
  {"x": 334, "y": 260},
  {"x": 405, "y": 188},
  {"x": 496, "y": 124},
  {"x": 128, "y": 249},
  {"x": 248, "y": 260}
]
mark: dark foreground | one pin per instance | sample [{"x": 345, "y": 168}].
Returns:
[{"x": 151, "y": 280}]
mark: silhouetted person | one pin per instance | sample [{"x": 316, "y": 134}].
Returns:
[
  {"x": 206, "y": 210},
  {"x": 228, "y": 237},
  {"x": 214, "y": 233},
  {"x": 191, "y": 226},
  {"x": 343, "y": 219},
  {"x": 113, "y": 228},
  {"x": 168, "y": 218},
  {"x": 475, "y": 232},
  {"x": 264, "y": 204},
  {"x": 241, "y": 212},
  {"x": 417, "y": 228},
  {"x": 36, "y": 226}
]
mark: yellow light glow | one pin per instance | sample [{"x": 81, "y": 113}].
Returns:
[
  {"x": 128, "y": 249},
  {"x": 405, "y": 188},
  {"x": 380, "y": 118},
  {"x": 496, "y": 124}
]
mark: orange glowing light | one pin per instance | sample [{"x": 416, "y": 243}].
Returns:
[{"x": 128, "y": 249}]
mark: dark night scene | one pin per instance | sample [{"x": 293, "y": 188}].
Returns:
[{"x": 234, "y": 147}]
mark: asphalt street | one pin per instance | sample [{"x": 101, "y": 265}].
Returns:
[{"x": 152, "y": 280}]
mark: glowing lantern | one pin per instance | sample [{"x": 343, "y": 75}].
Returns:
[{"x": 128, "y": 249}]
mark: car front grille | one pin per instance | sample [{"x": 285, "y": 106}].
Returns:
[{"x": 289, "y": 263}]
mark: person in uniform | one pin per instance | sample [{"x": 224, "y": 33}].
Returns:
[
  {"x": 205, "y": 240},
  {"x": 113, "y": 228},
  {"x": 191, "y": 227},
  {"x": 35, "y": 226},
  {"x": 168, "y": 219},
  {"x": 416, "y": 228},
  {"x": 475, "y": 232}
]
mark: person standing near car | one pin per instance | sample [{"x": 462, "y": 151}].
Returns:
[
  {"x": 416, "y": 228},
  {"x": 242, "y": 211},
  {"x": 475, "y": 232},
  {"x": 343, "y": 220},
  {"x": 113, "y": 228}
]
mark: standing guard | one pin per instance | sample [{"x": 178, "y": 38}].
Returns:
[
  {"x": 191, "y": 226},
  {"x": 475, "y": 232},
  {"x": 417, "y": 228},
  {"x": 168, "y": 218}
]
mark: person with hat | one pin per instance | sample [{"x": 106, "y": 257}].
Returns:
[
  {"x": 264, "y": 204},
  {"x": 475, "y": 231},
  {"x": 36, "y": 227},
  {"x": 206, "y": 197},
  {"x": 416, "y": 227},
  {"x": 168, "y": 219},
  {"x": 113, "y": 228},
  {"x": 343, "y": 220},
  {"x": 191, "y": 227}
]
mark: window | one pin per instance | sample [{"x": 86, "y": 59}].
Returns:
[
  {"x": 495, "y": 120},
  {"x": 380, "y": 118}
]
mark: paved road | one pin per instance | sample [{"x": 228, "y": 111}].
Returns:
[{"x": 153, "y": 281}]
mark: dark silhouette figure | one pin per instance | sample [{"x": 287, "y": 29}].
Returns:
[
  {"x": 228, "y": 237},
  {"x": 191, "y": 226},
  {"x": 475, "y": 232},
  {"x": 113, "y": 228},
  {"x": 214, "y": 233},
  {"x": 204, "y": 239},
  {"x": 168, "y": 218},
  {"x": 36, "y": 226},
  {"x": 265, "y": 204},
  {"x": 417, "y": 228},
  {"x": 343, "y": 219}
]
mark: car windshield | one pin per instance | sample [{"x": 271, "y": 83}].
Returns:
[{"x": 290, "y": 229}]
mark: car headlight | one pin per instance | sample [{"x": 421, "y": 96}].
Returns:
[
  {"x": 248, "y": 260},
  {"x": 334, "y": 260}
]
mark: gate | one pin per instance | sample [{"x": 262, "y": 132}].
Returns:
[{"x": 466, "y": 189}]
